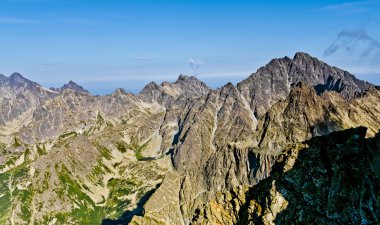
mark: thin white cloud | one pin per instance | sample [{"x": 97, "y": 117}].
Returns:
[
  {"x": 147, "y": 78},
  {"x": 362, "y": 69},
  {"x": 348, "y": 5},
  {"x": 11, "y": 20},
  {"x": 82, "y": 21},
  {"x": 52, "y": 64},
  {"x": 349, "y": 8},
  {"x": 143, "y": 58},
  {"x": 195, "y": 65},
  {"x": 78, "y": 21},
  {"x": 242, "y": 74}
]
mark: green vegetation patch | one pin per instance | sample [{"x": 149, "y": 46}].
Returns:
[
  {"x": 12, "y": 178},
  {"x": 41, "y": 150},
  {"x": 73, "y": 189},
  {"x": 25, "y": 199},
  {"x": 16, "y": 142},
  {"x": 100, "y": 119},
  {"x": 117, "y": 203},
  {"x": 68, "y": 134},
  {"x": 2, "y": 148},
  {"x": 97, "y": 173},
  {"x": 86, "y": 211},
  {"x": 45, "y": 182},
  {"x": 121, "y": 147},
  {"x": 140, "y": 149},
  {"x": 106, "y": 153},
  {"x": 5, "y": 199}
]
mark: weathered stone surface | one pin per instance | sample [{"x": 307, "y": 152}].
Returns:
[
  {"x": 181, "y": 153},
  {"x": 331, "y": 182},
  {"x": 230, "y": 139},
  {"x": 186, "y": 86},
  {"x": 71, "y": 85},
  {"x": 304, "y": 114},
  {"x": 273, "y": 82},
  {"x": 18, "y": 95}
]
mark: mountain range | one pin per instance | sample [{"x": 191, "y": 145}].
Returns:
[{"x": 297, "y": 142}]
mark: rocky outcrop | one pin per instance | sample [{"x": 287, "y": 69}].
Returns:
[
  {"x": 304, "y": 115},
  {"x": 334, "y": 179},
  {"x": 71, "y": 85},
  {"x": 186, "y": 86},
  {"x": 179, "y": 153},
  {"x": 215, "y": 174},
  {"x": 225, "y": 145},
  {"x": 18, "y": 95},
  {"x": 273, "y": 82}
]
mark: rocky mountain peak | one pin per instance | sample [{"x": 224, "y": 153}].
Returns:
[
  {"x": 302, "y": 55},
  {"x": 71, "y": 85},
  {"x": 17, "y": 79},
  {"x": 186, "y": 86},
  {"x": 15, "y": 76},
  {"x": 228, "y": 87},
  {"x": 273, "y": 82},
  {"x": 183, "y": 77},
  {"x": 120, "y": 91},
  {"x": 191, "y": 86},
  {"x": 188, "y": 79},
  {"x": 2, "y": 78},
  {"x": 192, "y": 155},
  {"x": 151, "y": 86}
]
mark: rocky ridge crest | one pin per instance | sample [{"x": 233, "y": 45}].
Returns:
[{"x": 200, "y": 150}]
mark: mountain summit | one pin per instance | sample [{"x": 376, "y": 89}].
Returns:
[
  {"x": 17, "y": 80},
  {"x": 273, "y": 82},
  {"x": 282, "y": 146},
  {"x": 71, "y": 85},
  {"x": 188, "y": 86}
]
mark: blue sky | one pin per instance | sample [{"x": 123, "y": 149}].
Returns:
[{"x": 105, "y": 44}]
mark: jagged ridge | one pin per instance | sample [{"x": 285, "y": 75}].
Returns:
[{"x": 220, "y": 142}]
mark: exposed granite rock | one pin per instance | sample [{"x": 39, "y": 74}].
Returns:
[
  {"x": 335, "y": 180},
  {"x": 163, "y": 208},
  {"x": 189, "y": 87},
  {"x": 73, "y": 111},
  {"x": 304, "y": 115},
  {"x": 71, "y": 85},
  {"x": 240, "y": 156},
  {"x": 18, "y": 95},
  {"x": 273, "y": 82},
  {"x": 221, "y": 143}
]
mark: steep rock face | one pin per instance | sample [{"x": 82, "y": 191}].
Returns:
[
  {"x": 165, "y": 203},
  {"x": 215, "y": 175},
  {"x": 73, "y": 111},
  {"x": 71, "y": 86},
  {"x": 209, "y": 162},
  {"x": 304, "y": 115},
  {"x": 100, "y": 174},
  {"x": 18, "y": 95},
  {"x": 177, "y": 98},
  {"x": 333, "y": 180},
  {"x": 88, "y": 160},
  {"x": 211, "y": 154},
  {"x": 113, "y": 151},
  {"x": 217, "y": 120},
  {"x": 186, "y": 86},
  {"x": 273, "y": 82}
]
